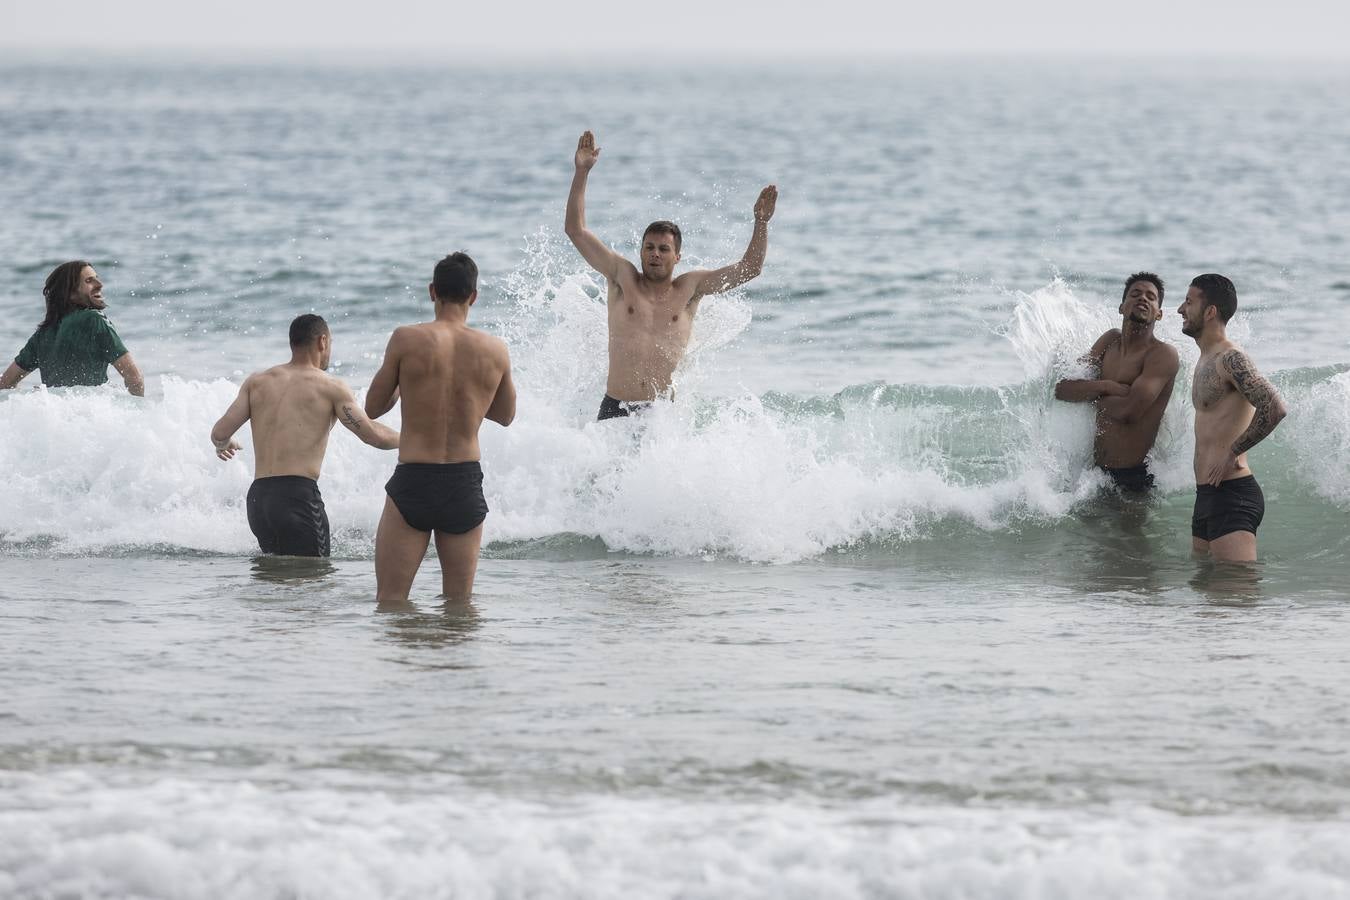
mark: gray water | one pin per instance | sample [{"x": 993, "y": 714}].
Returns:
[{"x": 853, "y": 617}]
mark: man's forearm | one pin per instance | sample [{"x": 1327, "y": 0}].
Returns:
[
  {"x": 576, "y": 203},
  {"x": 376, "y": 405},
  {"x": 1268, "y": 415},
  {"x": 1080, "y": 390},
  {"x": 753, "y": 260},
  {"x": 12, "y": 376}
]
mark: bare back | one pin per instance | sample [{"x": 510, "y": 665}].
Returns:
[
  {"x": 448, "y": 376},
  {"x": 291, "y": 412}
]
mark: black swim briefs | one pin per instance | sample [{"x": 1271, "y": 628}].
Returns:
[
  {"x": 445, "y": 497},
  {"x": 1235, "y": 505},
  {"x": 617, "y": 409},
  {"x": 286, "y": 515},
  {"x": 1131, "y": 480}
]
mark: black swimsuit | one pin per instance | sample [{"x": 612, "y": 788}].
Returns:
[
  {"x": 1131, "y": 480},
  {"x": 286, "y": 515},
  {"x": 445, "y": 497},
  {"x": 1235, "y": 505},
  {"x": 620, "y": 409}
]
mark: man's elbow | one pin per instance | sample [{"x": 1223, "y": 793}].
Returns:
[
  {"x": 503, "y": 417},
  {"x": 1279, "y": 411}
]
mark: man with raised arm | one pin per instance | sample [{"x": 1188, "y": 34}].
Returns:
[
  {"x": 75, "y": 343},
  {"x": 449, "y": 377},
  {"x": 651, "y": 312},
  {"x": 1134, "y": 376},
  {"x": 1235, "y": 408},
  {"x": 292, "y": 408}
]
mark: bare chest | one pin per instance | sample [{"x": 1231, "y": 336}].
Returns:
[
  {"x": 1116, "y": 366},
  {"x": 664, "y": 319},
  {"x": 1209, "y": 389}
]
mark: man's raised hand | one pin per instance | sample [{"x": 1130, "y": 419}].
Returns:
[
  {"x": 587, "y": 152},
  {"x": 764, "y": 206}
]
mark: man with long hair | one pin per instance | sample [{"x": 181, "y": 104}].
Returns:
[{"x": 75, "y": 343}]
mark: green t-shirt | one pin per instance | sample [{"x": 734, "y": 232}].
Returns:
[{"x": 77, "y": 351}]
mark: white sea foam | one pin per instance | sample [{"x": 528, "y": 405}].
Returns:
[
  {"x": 72, "y": 834},
  {"x": 717, "y": 470}
]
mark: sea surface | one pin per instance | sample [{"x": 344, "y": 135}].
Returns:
[{"x": 852, "y": 617}]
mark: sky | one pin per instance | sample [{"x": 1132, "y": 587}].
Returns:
[{"x": 725, "y": 29}]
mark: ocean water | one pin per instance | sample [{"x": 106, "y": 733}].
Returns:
[{"x": 851, "y": 617}]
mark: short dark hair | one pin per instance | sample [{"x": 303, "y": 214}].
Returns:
[
  {"x": 59, "y": 290},
  {"x": 306, "y": 329},
  {"x": 1143, "y": 276},
  {"x": 1219, "y": 293},
  {"x": 455, "y": 278},
  {"x": 661, "y": 226}
]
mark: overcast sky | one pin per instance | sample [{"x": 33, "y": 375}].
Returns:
[{"x": 723, "y": 28}]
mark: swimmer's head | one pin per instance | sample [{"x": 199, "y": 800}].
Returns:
[
  {"x": 310, "y": 334},
  {"x": 660, "y": 249},
  {"x": 455, "y": 280},
  {"x": 1142, "y": 299},
  {"x": 1207, "y": 292},
  {"x": 72, "y": 285}
]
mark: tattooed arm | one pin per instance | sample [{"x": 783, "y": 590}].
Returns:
[
  {"x": 1260, "y": 393},
  {"x": 354, "y": 418}
]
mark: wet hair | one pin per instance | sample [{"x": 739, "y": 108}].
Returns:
[
  {"x": 661, "y": 226},
  {"x": 455, "y": 278},
  {"x": 59, "y": 291},
  {"x": 1143, "y": 276},
  {"x": 306, "y": 329},
  {"x": 1219, "y": 293}
]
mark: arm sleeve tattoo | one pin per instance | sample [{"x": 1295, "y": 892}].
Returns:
[{"x": 1260, "y": 393}]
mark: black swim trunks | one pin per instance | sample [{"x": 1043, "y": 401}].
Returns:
[
  {"x": 445, "y": 497},
  {"x": 1235, "y": 505},
  {"x": 286, "y": 515},
  {"x": 617, "y": 409},
  {"x": 1131, "y": 480}
]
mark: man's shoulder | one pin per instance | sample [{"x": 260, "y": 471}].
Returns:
[
  {"x": 1109, "y": 337},
  {"x": 486, "y": 343},
  {"x": 1164, "y": 350},
  {"x": 85, "y": 317}
]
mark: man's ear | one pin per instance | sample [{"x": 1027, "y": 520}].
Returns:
[
  {"x": 473, "y": 298},
  {"x": 431, "y": 291}
]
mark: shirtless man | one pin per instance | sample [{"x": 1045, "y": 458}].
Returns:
[
  {"x": 651, "y": 313},
  {"x": 1135, "y": 373},
  {"x": 75, "y": 343},
  {"x": 1235, "y": 408},
  {"x": 292, "y": 408},
  {"x": 450, "y": 377}
]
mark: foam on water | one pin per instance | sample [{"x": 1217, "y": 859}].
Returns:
[
  {"x": 717, "y": 470},
  {"x": 69, "y": 833}
]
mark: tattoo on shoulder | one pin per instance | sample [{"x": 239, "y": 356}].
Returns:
[{"x": 1250, "y": 383}]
